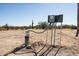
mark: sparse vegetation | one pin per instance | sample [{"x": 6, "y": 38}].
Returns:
[{"x": 40, "y": 25}]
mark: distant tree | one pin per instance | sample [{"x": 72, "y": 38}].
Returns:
[
  {"x": 42, "y": 25},
  {"x": 6, "y": 26},
  {"x": 36, "y": 26},
  {"x": 73, "y": 27},
  {"x": 30, "y": 26},
  {"x": 66, "y": 26}
]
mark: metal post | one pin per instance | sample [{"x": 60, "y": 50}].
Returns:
[
  {"x": 60, "y": 33},
  {"x": 47, "y": 36},
  {"x": 54, "y": 33},
  {"x": 27, "y": 39}
]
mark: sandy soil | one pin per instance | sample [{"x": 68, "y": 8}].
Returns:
[{"x": 13, "y": 38}]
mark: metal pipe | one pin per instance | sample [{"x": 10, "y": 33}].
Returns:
[
  {"x": 54, "y": 33},
  {"x": 60, "y": 33},
  {"x": 27, "y": 39}
]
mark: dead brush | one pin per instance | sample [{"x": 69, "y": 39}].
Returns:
[{"x": 37, "y": 44}]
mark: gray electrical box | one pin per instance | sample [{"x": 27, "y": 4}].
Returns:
[
  {"x": 51, "y": 18},
  {"x": 59, "y": 18},
  {"x": 55, "y": 18}
]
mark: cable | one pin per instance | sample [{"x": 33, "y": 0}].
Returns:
[
  {"x": 38, "y": 32},
  {"x": 45, "y": 44}
]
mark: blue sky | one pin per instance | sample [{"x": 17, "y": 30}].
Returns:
[{"x": 23, "y": 14}]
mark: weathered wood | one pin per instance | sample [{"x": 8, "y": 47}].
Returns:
[
  {"x": 77, "y": 20},
  {"x": 78, "y": 16}
]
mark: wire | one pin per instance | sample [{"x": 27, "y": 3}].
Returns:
[
  {"x": 45, "y": 44},
  {"x": 38, "y": 32}
]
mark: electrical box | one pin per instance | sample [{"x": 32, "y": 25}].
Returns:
[
  {"x": 51, "y": 18},
  {"x": 59, "y": 18},
  {"x": 55, "y": 18}
]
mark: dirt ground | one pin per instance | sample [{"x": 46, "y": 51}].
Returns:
[{"x": 13, "y": 38}]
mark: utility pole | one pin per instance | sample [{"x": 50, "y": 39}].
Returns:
[{"x": 77, "y": 20}]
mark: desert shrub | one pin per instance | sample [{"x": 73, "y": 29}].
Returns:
[{"x": 42, "y": 25}]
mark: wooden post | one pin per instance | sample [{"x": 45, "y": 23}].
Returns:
[{"x": 77, "y": 20}]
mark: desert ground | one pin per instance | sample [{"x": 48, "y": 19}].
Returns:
[{"x": 13, "y": 38}]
